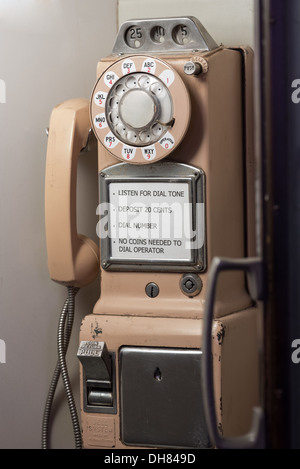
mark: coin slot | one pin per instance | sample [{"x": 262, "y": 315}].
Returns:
[
  {"x": 157, "y": 34},
  {"x": 181, "y": 34},
  {"x": 134, "y": 36}
]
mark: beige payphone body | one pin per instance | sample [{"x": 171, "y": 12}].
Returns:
[{"x": 172, "y": 113}]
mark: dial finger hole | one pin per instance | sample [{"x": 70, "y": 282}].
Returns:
[
  {"x": 131, "y": 82},
  {"x": 114, "y": 118},
  {"x": 157, "y": 129},
  {"x": 120, "y": 89},
  {"x": 132, "y": 136},
  {"x": 145, "y": 137},
  {"x": 156, "y": 88},
  {"x": 144, "y": 81},
  {"x": 121, "y": 129},
  {"x": 114, "y": 102}
]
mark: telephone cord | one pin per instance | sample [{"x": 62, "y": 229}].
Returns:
[{"x": 63, "y": 337}]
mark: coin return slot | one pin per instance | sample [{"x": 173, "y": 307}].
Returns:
[{"x": 99, "y": 396}]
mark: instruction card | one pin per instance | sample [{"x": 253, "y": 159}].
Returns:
[{"x": 150, "y": 221}]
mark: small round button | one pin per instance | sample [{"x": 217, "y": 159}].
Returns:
[{"x": 192, "y": 68}]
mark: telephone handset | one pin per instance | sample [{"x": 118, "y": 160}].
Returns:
[{"x": 73, "y": 259}]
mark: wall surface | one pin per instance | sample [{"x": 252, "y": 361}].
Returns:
[{"x": 48, "y": 53}]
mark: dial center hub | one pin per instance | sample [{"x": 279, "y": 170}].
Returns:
[{"x": 137, "y": 108}]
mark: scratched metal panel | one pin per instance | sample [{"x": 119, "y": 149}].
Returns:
[{"x": 161, "y": 401}]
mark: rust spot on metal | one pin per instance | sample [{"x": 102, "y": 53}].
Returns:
[
  {"x": 220, "y": 428},
  {"x": 95, "y": 330},
  {"x": 221, "y": 335}
]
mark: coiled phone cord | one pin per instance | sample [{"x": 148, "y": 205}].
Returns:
[{"x": 65, "y": 326}]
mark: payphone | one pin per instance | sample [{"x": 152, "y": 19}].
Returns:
[{"x": 172, "y": 114}]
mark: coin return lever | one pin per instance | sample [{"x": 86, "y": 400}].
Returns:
[{"x": 97, "y": 366}]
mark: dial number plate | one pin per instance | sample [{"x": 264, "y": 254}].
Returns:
[{"x": 140, "y": 109}]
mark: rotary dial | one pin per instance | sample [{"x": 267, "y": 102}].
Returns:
[{"x": 139, "y": 109}]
